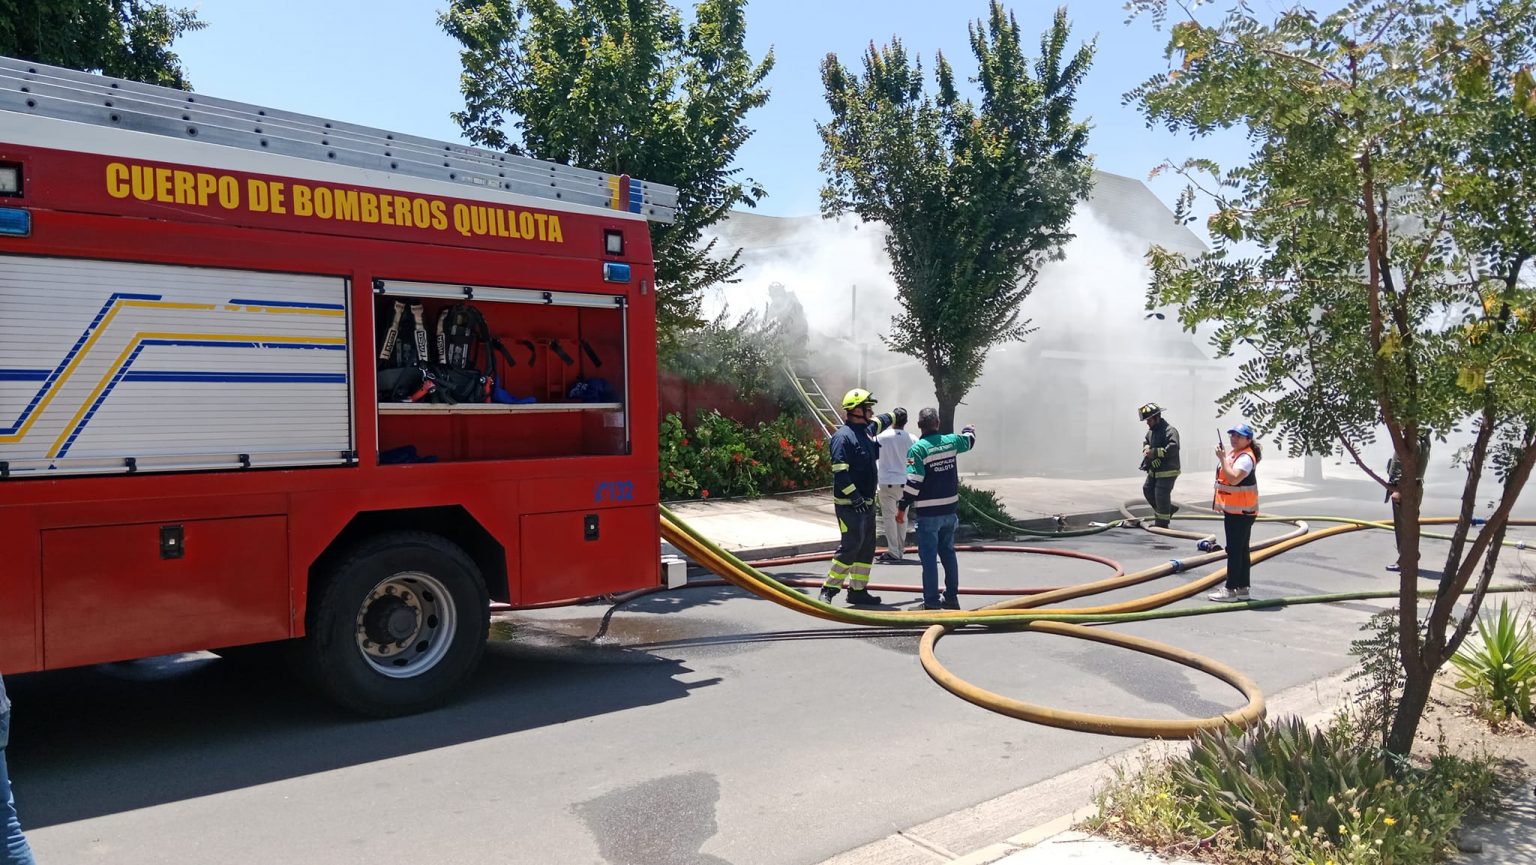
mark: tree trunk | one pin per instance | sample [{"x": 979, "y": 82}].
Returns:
[
  {"x": 947, "y": 404},
  {"x": 1416, "y": 674},
  {"x": 1469, "y": 496},
  {"x": 1410, "y": 709},
  {"x": 1422, "y": 659},
  {"x": 1312, "y": 469}
]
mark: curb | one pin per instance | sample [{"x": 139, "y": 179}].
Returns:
[
  {"x": 1046, "y": 524},
  {"x": 781, "y": 551},
  {"x": 1026, "y": 839},
  {"x": 758, "y": 553}
]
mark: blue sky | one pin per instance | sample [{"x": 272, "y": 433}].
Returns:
[{"x": 385, "y": 63}]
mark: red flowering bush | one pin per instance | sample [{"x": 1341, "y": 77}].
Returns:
[{"x": 721, "y": 458}]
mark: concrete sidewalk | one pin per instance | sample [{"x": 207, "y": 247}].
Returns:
[{"x": 803, "y": 523}]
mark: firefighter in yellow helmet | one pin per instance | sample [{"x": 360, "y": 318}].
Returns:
[{"x": 855, "y": 477}]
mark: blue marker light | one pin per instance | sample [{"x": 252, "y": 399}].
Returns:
[
  {"x": 16, "y": 222},
  {"x": 613, "y": 271}
]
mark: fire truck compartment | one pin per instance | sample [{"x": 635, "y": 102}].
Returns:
[
  {"x": 110, "y": 367},
  {"x": 560, "y": 373},
  {"x": 575, "y": 554},
  {"x": 116, "y": 592}
]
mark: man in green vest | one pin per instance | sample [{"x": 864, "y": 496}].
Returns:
[{"x": 933, "y": 494}]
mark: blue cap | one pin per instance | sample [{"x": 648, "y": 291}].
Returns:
[{"x": 1243, "y": 430}]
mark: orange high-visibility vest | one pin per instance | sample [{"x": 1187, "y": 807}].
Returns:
[{"x": 1241, "y": 497}]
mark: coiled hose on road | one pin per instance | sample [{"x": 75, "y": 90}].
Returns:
[{"x": 1073, "y": 622}]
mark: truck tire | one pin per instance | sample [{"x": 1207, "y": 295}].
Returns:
[{"x": 396, "y": 625}]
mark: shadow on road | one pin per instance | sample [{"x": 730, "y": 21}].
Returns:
[{"x": 104, "y": 740}]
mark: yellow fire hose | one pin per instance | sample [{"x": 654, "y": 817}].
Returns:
[{"x": 1066, "y": 622}]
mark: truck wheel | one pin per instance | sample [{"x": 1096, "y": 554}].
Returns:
[{"x": 397, "y": 625}]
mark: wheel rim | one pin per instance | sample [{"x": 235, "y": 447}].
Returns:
[{"x": 405, "y": 625}]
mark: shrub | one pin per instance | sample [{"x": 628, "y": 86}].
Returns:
[
  {"x": 751, "y": 353},
  {"x": 794, "y": 453},
  {"x": 983, "y": 510},
  {"x": 1498, "y": 669},
  {"x": 722, "y": 458},
  {"x": 1379, "y": 679},
  {"x": 1285, "y": 793}
]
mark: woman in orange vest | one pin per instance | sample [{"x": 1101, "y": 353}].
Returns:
[{"x": 1237, "y": 500}]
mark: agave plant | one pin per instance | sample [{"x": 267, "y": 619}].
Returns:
[
  {"x": 1279, "y": 774},
  {"x": 1499, "y": 668}
]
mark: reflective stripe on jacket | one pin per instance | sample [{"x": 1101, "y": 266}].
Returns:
[
  {"x": 854, "y": 452},
  {"x": 933, "y": 473},
  {"x": 1162, "y": 450},
  {"x": 1241, "y": 497}
]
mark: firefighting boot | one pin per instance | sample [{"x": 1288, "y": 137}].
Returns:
[
  {"x": 828, "y": 594},
  {"x": 862, "y": 598}
]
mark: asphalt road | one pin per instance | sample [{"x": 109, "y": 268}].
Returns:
[{"x": 700, "y": 727}]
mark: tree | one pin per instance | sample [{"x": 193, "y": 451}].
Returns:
[
  {"x": 624, "y": 88},
  {"x": 1388, "y": 209},
  {"x": 749, "y": 352},
  {"x": 123, "y": 38},
  {"x": 974, "y": 199}
]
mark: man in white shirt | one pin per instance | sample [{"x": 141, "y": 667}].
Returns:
[{"x": 894, "y": 444}]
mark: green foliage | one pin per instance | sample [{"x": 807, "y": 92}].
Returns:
[
  {"x": 1143, "y": 806},
  {"x": 1282, "y": 793},
  {"x": 1401, "y": 302},
  {"x": 1372, "y": 255},
  {"x": 974, "y": 197},
  {"x": 625, "y": 88},
  {"x": 1499, "y": 669},
  {"x": 122, "y": 38},
  {"x": 750, "y": 353},
  {"x": 983, "y": 510},
  {"x": 721, "y": 458},
  {"x": 1380, "y": 677}
]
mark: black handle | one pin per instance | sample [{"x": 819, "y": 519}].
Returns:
[
  {"x": 586, "y": 348},
  {"x": 173, "y": 542}
]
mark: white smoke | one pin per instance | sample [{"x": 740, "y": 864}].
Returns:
[{"x": 1062, "y": 403}]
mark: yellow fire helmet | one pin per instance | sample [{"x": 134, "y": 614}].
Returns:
[{"x": 857, "y": 397}]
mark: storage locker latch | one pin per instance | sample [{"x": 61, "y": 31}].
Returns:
[{"x": 172, "y": 542}]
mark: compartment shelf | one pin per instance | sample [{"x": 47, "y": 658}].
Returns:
[{"x": 426, "y": 408}]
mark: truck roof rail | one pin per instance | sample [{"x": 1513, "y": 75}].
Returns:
[{"x": 81, "y": 97}]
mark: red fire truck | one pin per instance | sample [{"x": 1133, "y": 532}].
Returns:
[{"x": 271, "y": 380}]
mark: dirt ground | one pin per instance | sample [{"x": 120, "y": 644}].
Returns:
[{"x": 1506, "y": 835}]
